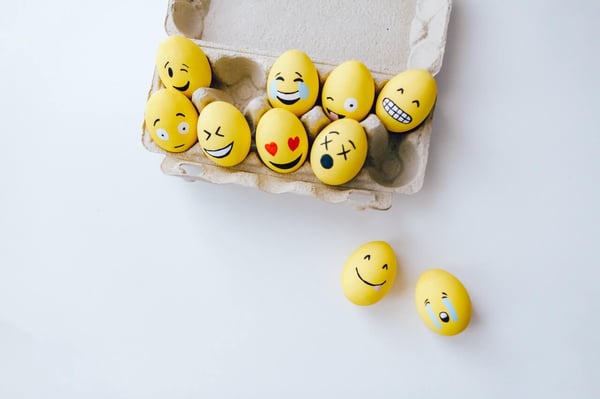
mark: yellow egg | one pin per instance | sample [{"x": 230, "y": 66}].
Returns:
[
  {"x": 182, "y": 65},
  {"x": 442, "y": 302},
  {"x": 348, "y": 91},
  {"x": 223, "y": 133},
  {"x": 281, "y": 140},
  {"x": 171, "y": 119},
  {"x": 406, "y": 100},
  {"x": 293, "y": 82},
  {"x": 339, "y": 152},
  {"x": 369, "y": 273}
]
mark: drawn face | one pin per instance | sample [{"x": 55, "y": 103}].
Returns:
[
  {"x": 406, "y": 100},
  {"x": 223, "y": 133},
  {"x": 293, "y": 83},
  {"x": 369, "y": 273},
  {"x": 442, "y": 302},
  {"x": 171, "y": 119},
  {"x": 339, "y": 152},
  {"x": 348, "y": 91},
  {"x": 182, "y": 65},
  {"x": 281, "y": 141}
]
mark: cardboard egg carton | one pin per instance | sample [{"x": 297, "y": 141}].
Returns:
[{"x": 243, "y": 39}]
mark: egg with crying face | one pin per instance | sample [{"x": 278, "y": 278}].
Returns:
[
  {"x": 339, "y": 152},
  {"x": 182, "y": 65},
  {"x": 348, "y": 91},
  {"x": 223, "y": 133},
  {"x": 369, "y": 273},
  {"x": 293, "y": 82},
  {"x": 406, "y": 100},
  {"x": 443, "y": 302},
  {"x": 281, "y": 140},
  {"x": 171, "y": 119}
]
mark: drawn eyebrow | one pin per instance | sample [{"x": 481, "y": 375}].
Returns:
[
  {"x": 426, "y": 301},
  {"x": 155, "y": 122},
  {"x": 167, "y": 63},
  {"x": 185, "y": 65},
  {"x": 299, "y": 74},
  {"x": 443, "y": 293},
  {"x": 180, "y": 114},
  {"x": 367, "y": 257},
  {"x": 351, "y": 142},
  {"x": 277, "y": 74},
  {"x": 329, "y": 98},
  {"x": 333, "y": 131}
]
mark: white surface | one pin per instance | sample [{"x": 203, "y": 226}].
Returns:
[{"x": 119, "y": 282}]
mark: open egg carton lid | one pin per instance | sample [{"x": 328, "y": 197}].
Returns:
[{"x": 243, "y": 39}]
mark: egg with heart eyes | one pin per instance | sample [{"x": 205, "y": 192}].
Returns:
[{"x": 281, "y": 140}]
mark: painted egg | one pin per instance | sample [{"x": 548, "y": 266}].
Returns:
[
  {"x": 406, "y": 100},
  {"x": 293, "y": 82},
  {"x": 223, "y": 133},
  {"x": 348, "y": 91},
  {"x": 182, "y": 65},
  {"x": 369, "y": 273},
  {"x": 339, "y": 152},
  {"x": 442, "y": 302},
  {"x": 171, "y": 119},
  {"x": 281, "y": 140}
]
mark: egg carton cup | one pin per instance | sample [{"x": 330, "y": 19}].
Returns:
[{"x": 243, "y": 39}]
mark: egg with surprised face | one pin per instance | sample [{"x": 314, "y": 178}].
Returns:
[
  {"x": 223, "y": 133},
  {"x": 339, "y": 152},
  {"x": 281, "y": 140},
  {"x": 406, "y": 100},
  {"x": 369, "y": 273},
  {"x": 182, "y": 65},
  {"x": 442, "y": 302},
  {"x": 348, "y": 91},
  {"x": 293, "y": 82},
  {"x": 171, "y": 119}
]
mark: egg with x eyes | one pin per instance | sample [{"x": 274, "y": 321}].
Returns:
[
  {"x": 339, "y": 152},
  {"x": 369, "y": 273},
  {"x": 443, "y": 302},
  {"x": 281, "y": 140}
]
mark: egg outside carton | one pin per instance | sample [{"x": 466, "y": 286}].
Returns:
[{"x": 395, "y": 162}]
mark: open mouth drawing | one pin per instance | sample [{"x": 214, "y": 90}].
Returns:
[
  {"x": 288, "y": 98},
  {"x": 221, "y": 152}
]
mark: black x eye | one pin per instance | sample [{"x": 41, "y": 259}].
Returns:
[{"x": 344, "y": 152}]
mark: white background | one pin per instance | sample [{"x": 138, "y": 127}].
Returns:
[{"x": 117, "y": 281}]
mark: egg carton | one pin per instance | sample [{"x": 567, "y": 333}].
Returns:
[{"x": 243, "y": 39}]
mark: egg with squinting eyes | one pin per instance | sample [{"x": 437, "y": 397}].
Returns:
[
  {"x": 182, "y": 65},
  {"x": 369, "y": 273},
  {"x": 281, "y": 140},
  {"x": 293, "y": 82},
  {"x": 339, "y": 152},
  {"x": 406, "y": 100},
  {"x": 442, "y": 302},
  {"x": 348, "y": 91},
  {"x": 223, "y": 133},
  {"x": 171, "y": 119}
]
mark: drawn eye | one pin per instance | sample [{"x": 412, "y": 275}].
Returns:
[
  {"x": 183, "y": 127},
  {"x": 350, "y": 104},
  {"x": 384, "y": 267},
  {"x": 400, "y": 90},
  {"x": 299, "y": 80},
  {"x": 170, "y": 72},
  {"x": 162, "y": 134},
  {"x": 418, "y": 104},
  {"x": 280, "y": 78}
]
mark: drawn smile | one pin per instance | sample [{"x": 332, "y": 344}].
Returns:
[
  {"x": 288, "y": 165},
  {"x": 288, "y": 98},
  {"x": 184, "y": 87},
  {"x": 395, "y": 111},
  {"x": 221, "y": 152},
  {"x": 368, "y": 283}
]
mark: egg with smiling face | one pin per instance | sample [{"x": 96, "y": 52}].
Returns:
[
  {"x": 293, "y": 82},
  {"x": 348, "y": 91},
  {"x": 406, "y": 100},
  {"x": 182, "y": 65},
  {"x": 281, "y": 141},
  {"x": 339, "y": 152},
  {"x": 223, "y": 133},
  {"x": 171, "y": 119},
  {"x": 369, "y": 273},
  {"x": 443, "y": 302}
]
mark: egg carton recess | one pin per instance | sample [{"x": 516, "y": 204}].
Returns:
[{"x": 243, "y": 39}]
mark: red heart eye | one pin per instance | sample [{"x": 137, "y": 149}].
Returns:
[
  {"x": 271, "y": 148},
  {"x": 293, "y": 142}
]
